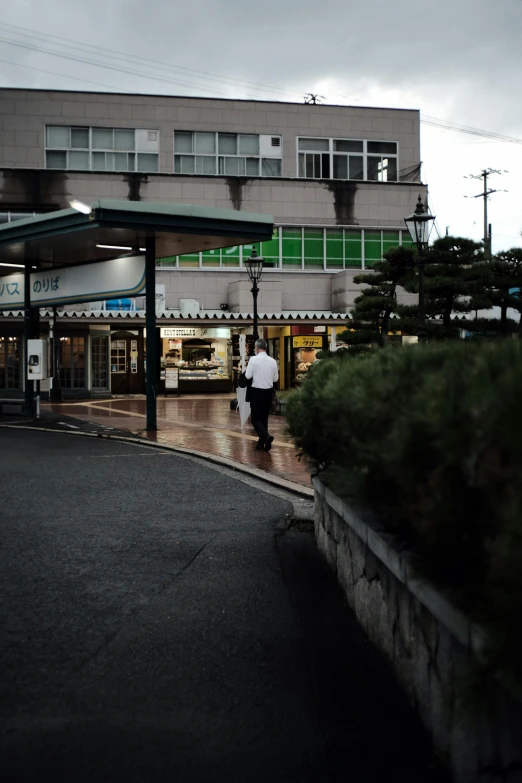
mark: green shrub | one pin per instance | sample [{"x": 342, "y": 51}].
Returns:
[{"x": 430, "y": 436}]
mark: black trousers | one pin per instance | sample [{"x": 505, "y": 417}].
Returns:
[{"x": 260, "y": 402}]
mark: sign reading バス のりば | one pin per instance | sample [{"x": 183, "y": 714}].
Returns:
[{"x": 114, "y": 279}]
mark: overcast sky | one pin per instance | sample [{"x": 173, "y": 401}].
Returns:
[{"x": 459, "y": 61}]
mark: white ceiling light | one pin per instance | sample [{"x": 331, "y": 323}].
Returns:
[
  {"x": 20, "y": 266},
  {"x": 119, "y": 247},
  {"x": 79, "y": 206}
]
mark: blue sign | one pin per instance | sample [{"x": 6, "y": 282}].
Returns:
[{"x": 119, "y": 304}]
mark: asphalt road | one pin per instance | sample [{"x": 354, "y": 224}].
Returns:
[{"x": 157, "y": 624}]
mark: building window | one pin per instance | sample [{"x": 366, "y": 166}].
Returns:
[
  {"x": 101, "y": 149},
  {"x": 10, "y": 363},
  {"x": 72, "y": 362},
  {"x": 296, "y": 248},
  {"x": 347, "y": 159},
  {"x": 227, "y": 154},
  {"x": 99, "y": 354},
  {"x": 118, "y": 356}
]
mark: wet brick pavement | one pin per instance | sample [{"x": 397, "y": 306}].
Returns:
[{"x": 205, "y": 424}]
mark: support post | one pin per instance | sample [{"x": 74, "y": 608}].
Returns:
[
  {"x": 255, "y": 292},
  {"x": 485, "y": 196},
  {"x": 28, "y": 335},
  {"x": 333, "y": 339},
  {"x": 150, "y": 307},
  {"x": 422, "y": 309},
  {"x": 55, "y": 392}
]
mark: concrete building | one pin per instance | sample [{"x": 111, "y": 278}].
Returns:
[{"x": 337, "y": 179}]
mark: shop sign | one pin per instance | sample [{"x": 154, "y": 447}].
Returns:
[
  {"x": 178, "y": 331},
  {"x": 171, "y": 378},
  {"x": 174, "y": 332},
  {"x": 114, "y": 279},
  {"x": 308, "y": 342}
]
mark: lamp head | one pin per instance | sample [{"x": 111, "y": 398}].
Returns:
[{"x": 254, "y": 266}]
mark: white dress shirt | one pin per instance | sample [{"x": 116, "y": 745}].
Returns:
[{"x": 263, "y": 371}]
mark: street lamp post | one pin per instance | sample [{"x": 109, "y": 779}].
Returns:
[
  {"x": 254, "y": 267},
  {"x": 419, "y": 225}
]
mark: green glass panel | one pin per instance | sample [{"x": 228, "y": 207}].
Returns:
[
  {"x": 352, "y": 250},
  {"x": 189, "y": 260},
  {"x": 372, "y": 248},
  {"x": 270, "y": 250},
  {"x": 334, "y": 249},
  {"x": 390, "y": 239},
  {"x": 168, "y": 261},
  {"x": 292, "y": 247},
  {"x": 230, "y": 256},
  {"x": 406, "y": 239},
  {"x": 211, "y": 257},
  {"x": 313, "y": 248}
]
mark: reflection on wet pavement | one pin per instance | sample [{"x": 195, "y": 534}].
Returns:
[{"x": 204, "y": 424}]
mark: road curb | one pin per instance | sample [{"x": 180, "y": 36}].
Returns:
[{"x": 261, "y": 475}]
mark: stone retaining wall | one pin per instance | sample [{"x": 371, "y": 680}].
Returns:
[{"x": 432, "y": 646}]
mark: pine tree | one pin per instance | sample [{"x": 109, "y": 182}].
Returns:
[
  {"x": 455, "y": 282},
  {"x": 377, "y": 303},
  {"x": 507, "y": 275}
]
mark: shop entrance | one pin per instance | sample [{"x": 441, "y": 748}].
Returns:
[{"x": 126, "y": 363}]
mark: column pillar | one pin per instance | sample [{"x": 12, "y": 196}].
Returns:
[
  {"x": 150, "y": 307},
  {"x": 28, "y": 335}
]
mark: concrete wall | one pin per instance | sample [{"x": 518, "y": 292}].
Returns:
[
  {"x": 345, "y": 291},
  {"x": 24, "y": 181},
  {"x": 431, "y": 645},
  {"x": 295, "y": 201},
  {"x": 24, "y": 114},
  {"x": 289, "y": 291}
]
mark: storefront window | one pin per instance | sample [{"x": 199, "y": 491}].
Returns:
[
  {"x": 99, "y": 349},
  {"x": 72, "y": 362},
  {"x": 10, "y": 363},
  {"x": 304, "y": 354}
]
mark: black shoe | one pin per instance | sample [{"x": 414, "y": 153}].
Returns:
[
  {"x": 260, "y": 446},
  {"x": 268, "y": 442}
]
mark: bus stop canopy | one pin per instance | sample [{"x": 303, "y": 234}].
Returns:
[
  {"x": 69, "y": 236},
  {"x": 109, "y": 228}
]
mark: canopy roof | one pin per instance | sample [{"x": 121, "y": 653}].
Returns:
[{"x": 70, "y": 237}]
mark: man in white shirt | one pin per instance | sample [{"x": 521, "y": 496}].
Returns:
[{"x": 262, "y": 369}]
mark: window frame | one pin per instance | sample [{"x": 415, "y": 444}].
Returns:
[
  {"x": 220, "y": 158},
  {"x": 302, "y": 233},
  {"x": 91, "y": 151},
  {"x": 332, "y": 152}
]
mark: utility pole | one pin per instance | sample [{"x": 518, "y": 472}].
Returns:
[{"x": 486, "y": 192}]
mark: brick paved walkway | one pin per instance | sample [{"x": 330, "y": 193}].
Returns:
[{"x": 204, "y": 424}]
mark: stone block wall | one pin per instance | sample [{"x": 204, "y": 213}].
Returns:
[{"x": 431, "y": 645}]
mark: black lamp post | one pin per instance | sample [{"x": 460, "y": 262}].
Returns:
[
  {"x": 419, "y": 225},
  {"x": 254, "y": 267}
]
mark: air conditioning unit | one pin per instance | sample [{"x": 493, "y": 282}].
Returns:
[
  {"x": 270, "y": 146},
  {"x": 189, "y": 306},
  {"x": 147, "y": 140}
]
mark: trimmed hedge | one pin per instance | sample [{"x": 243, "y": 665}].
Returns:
[{"x": 430, "y": 437}]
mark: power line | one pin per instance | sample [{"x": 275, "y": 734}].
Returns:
[
  {"x": 112, "y": 67},
  {"x": 427, "y": 120},
  {"x": 222, "y": 81},
  {"x": 149, "y": 63},
  {"x": 62, "y": 75}
]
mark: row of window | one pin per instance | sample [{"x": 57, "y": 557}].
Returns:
[
  {"x": 101, "y": 149},
  {"x": 219, "y": 154},
  {"x": 295, "y": 248},
  {"x": 71, "y": 358}
]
